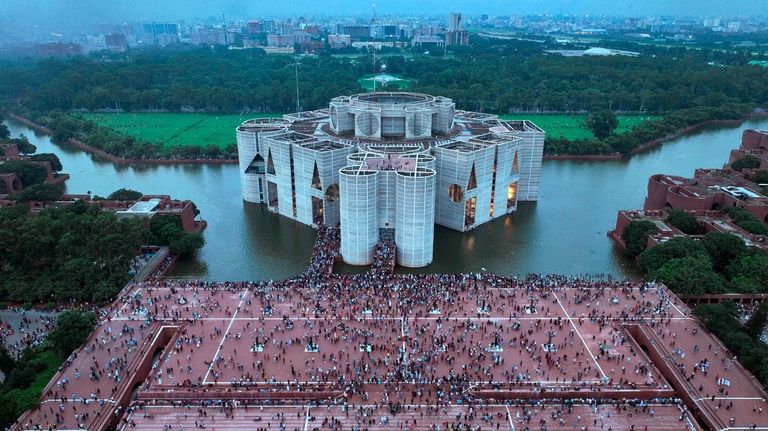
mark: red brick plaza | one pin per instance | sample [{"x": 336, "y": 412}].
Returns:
[{"x": 388, "y": 351}]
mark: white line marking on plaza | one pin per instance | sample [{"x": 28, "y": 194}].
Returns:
[
  {"x": 224, "y": 337},
  {"x": 568, "y": 316},
  {"x": 306, "y": 419},
  {"x": 509, "y": 416},
  {"x": 730, "y": 398}
]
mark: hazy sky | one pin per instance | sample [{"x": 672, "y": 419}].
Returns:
[{"x": 70, "y": 13}]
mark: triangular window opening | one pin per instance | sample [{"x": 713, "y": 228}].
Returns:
[
  {"x": 316, "y": 179},
  {"x": 515, "y": 165},
  {"x": 270, "y": 163},
  {"x": 472, "y": 179}
]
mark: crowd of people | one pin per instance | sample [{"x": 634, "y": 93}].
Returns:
[
  {"x": 389, "y": 340},
  {"x": 21, "y": 329}
]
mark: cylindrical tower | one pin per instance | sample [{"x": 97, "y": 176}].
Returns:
[
  {"x": 415, "y": 217},
  {"x": 445, "y": 111},
  {"x": 252, "y": 164},
  {"x": 359, "y": 207},
  {"x": 247, "y": 150}
]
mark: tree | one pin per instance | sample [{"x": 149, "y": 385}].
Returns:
[
  {"x": 723, "y": 248},
  {"x": 636, "y": 234},
  {"x": 72, "y": 329},
  {"x": 684, "y": 221},
  {"x": 187, "y": 243},
  {"x": 48, "y": 157},
  {"x": 749, "y": 272},
  {"x": 679, "y": 247},
  {"x": 719, "y": 318},
  {"x": 4, "y": 132},
  {"x": 747, "y": 162},
  {"x": 25, "y": 147},
  {"x": 760, "y": 177},
  {"x": 39, "y": 192},
  {"x": 602, "y": 123},
  {"x": 125, "y": 195},
  {"x": 29, "y": 173},
  {"x": 691, "y": 275},
  {"x": 756, "y": 323}
]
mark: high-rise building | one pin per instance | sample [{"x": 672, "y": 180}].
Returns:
[
  {"x": 390, "y": 162},
  {"x": 455, "y": 35}
]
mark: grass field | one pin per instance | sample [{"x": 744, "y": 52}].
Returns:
[
  {"x": 176, "y": 129},
  {"x": 209, "y": 129},
  {"x": 572, "y": 126}
]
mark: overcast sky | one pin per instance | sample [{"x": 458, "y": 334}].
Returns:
[{"x": 15, "y": 14}]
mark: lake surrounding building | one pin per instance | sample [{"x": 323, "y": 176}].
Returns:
[{"x": 393, "y": 162}]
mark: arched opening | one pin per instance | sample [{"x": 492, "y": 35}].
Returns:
[
  {"x": 317, "y": 211},
  {"x": 667, "y": 206},
  {"x": 715, "y": 207},
  {"x": 469, "y": 212},
  {"x": 455, "y": 193},
  {"x": 332, "y": 193}
]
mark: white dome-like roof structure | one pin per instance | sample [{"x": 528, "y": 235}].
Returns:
[{"x": 598, "y": 51}]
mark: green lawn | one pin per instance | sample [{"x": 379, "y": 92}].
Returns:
[
  {"x": 211, "y": 129},
  {"x": 572, "y": 126},
  {"x": 176, "y": 129}
]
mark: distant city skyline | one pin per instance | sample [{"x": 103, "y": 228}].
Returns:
[{"x": 89, "y": 12}]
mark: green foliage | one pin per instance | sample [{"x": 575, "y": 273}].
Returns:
[
  {"x": 21, "y": 376},
  {"x": 602, "y": 123},
  {"x": 29, "y": 173},
  {"x": 723, "y": 248},
  {"x": 722, "y": 320},
  {"x": 167, "y": 230},
  {"x": 125, "y": 195},
  {"x": 4, "y": 132},
  {"x": 72, "y": 329},
  {"x": 745, "y": 220},
  {"x": 75, "y": 253},
  {"x": 749, "y": 272},
  {"x": 684, "y": 221},
  {"x": 14, "y": 400},
  {"x": 6, "y": 360},
  {"x": 690, "y": 275},
  {"x": 25, "y": 147},
  {"x": 679, "y": 247},
  {"x": 636, "y": 235},
  {"x": 760, "y": 177},
  {"x": 756, "y": 323},
  {"x": 747, "y": 162},
  {"x": 39, "y": 192},
  {"x": 48, "y": 157}
]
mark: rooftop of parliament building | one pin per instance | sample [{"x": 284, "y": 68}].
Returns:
[{"x": 393, "y": 163}]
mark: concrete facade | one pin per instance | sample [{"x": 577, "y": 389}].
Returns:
[{"x": 385, "y": 161}]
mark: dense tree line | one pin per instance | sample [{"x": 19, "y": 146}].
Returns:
[
  {"x": 489, "y": 76},
  {"x": 27, "y": 375},
  {"x": 718, "y": 263},
  {"x": 77, "y": 252},
  {"x": 744, "y": 341}
]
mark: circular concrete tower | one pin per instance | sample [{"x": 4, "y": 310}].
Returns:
[
  {"x": 359, "y": 209},
  {"x": 415, "y": 217}
]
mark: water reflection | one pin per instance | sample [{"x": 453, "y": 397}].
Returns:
[{"x": 565, "y": 232}]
